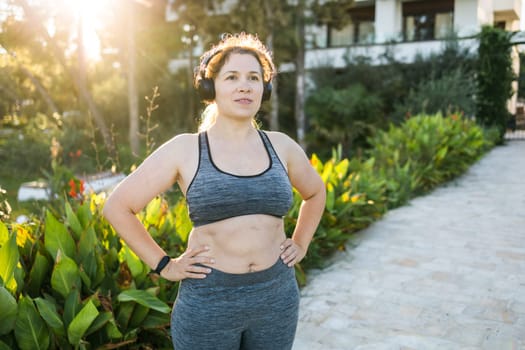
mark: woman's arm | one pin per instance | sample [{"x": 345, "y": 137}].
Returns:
[
  {"x": 155, "y": 175},
  {"x": 308, "y": 183}
]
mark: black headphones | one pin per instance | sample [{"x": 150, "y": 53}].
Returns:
[{"x": 206, "y": 86}]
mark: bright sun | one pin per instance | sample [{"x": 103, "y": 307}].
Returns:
[{"x": 88, "y": 11}]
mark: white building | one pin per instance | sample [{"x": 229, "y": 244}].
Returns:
[
  {"x": 405, "y": 28},
  {"x": 408, "y": 28}
]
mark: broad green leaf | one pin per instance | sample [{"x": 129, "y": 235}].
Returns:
[
  {"x": 39, "y": 272},
  {"x": 139, "y": 314},
  {"x": 4, "y": 346},
  {"x": 72, "y": 221},
  {"x": 71, "y": 307},
  {"x": 87, "y": 242},
  {"x": 8, "y": 310},
  {"x": 84, "y": 277},
  {"x": 8, "y": 260},
  {"x": 99, "y": 322},
  {"x": 4, "y": 234},
  {"x": 30, "y": 330},
  {"x": 156, "y": 320},
  {"x": 58, "y": 238},
  {"x": 49, "y": 313},
  {"x": 144, "y": 298},
  {"x": 65, "y": 276},
  {"x": 183, "y": 223},
  {"x": 124, "y": 312},
  {"x": 89, "y": 264},
  {"x": 134, "y": 263},
  {"x": 112, "y": 330},
  {"x": 84, "y": 214},
  {"x": 80, "y": 324},
  {"x": 153, "y": 211}
]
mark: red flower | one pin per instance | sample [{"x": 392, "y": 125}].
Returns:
[{"x": 76, "y": 188}]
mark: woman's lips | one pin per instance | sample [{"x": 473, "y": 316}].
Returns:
[{"x": 244, "y": 100}]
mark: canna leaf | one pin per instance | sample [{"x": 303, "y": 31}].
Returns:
[
  {"x": 99, "y": 322},
  {"x": 144, "y": 298},
  {"x": 58, "y": 238},
  {"x": 30, "y": 330},
  {"x": 49, "y": 313},
  {"x": 4, "y": 233},
  {"x": 87, "y": 241},
  {"x": 4, "y": 346},
  {"x": 71, "y": 307},
  {"x": 72, "y": 221},
  {"x": 8, "y": 260},
  {"x": 134, "y": 263},
  {"x": 8, "y": 310},
  {"x": 65, "y": 276},
  {"x": 38, "y": 274},
  {"x": 80, "y": 324}
]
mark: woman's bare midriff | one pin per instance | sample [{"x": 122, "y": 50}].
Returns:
[{"x": 241, "y": 244}]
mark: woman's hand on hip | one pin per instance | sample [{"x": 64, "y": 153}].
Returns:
[
  {"x": 187, "y": 265},
  {"x": 291, "y": 252}
]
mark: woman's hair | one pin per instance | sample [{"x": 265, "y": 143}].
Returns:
[{"x": 214, "y": 59}]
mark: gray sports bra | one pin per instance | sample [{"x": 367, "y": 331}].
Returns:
[{"x": 215, "y": 195}]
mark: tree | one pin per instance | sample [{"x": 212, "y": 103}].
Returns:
[
  {"x": 77, "y": 80},
  {"x": 494, "y": 78}
]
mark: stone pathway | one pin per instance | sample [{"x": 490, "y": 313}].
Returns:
[{"x": 446, "y": 271}]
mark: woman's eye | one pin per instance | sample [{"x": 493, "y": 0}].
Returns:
[
  {"x": 254, "y": 78},
  {"x": 231, "y": 77}
]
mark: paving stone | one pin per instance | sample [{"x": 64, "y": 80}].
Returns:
[{"x": 445, "y": 271}]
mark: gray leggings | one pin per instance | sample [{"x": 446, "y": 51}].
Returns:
[{"x": 224, "y": 311}]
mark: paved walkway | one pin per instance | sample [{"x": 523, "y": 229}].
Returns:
[{"x": 446, "y": 271}]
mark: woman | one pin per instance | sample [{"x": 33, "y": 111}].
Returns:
[{"x": 238, "y": 287}]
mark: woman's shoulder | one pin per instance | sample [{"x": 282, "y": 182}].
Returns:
[
  {"x": 282, "y": 140},
  {"x": 278, "y": 136},
  {"x": 182, "y": 140}
]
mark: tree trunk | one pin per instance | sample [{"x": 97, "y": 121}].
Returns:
[
  {"x": 274, "y": 99},
  {"x": 133, "y": 102},
  {"x": 300, "y": 78}
]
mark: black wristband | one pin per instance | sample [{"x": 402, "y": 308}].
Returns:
[{"x": 162, "y": 264}]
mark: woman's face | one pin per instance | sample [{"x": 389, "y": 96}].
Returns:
[{"x": 239, "y": 86}]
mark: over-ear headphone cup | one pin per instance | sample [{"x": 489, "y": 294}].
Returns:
[
  {"x": 267, "y": 93},
  {"x": 206, "y": 89}
]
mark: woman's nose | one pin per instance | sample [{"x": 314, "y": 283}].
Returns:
[{"x": 244, "y": 86}]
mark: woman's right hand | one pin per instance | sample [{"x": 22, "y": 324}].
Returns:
[{"x": 185, "y": 266}]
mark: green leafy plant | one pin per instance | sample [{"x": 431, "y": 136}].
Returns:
[
  {"x": 69, "y": 282},
  {"x": 494, "y": 78}
]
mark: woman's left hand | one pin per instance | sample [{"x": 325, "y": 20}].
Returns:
[{"x": 291, "y": 252}]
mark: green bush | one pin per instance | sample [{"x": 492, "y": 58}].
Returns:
[
  {"x": 452, "y": 92},
  {"x": 342, "y": 116},
  {"x": 424, "y": 152},
  {"x": 69, "y": 282},
  {"x": 494, "y": 78}
]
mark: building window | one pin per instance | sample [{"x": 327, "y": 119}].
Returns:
[
  {"x": 360, "y": 30},
  {"x": 343, "y": 36},
  {"x": 427, "y": 20}
]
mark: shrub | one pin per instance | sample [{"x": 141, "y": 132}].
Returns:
[
  {"x": 424, "y": 152},
  {"x": 494, "y": 78},
  {"x": 70, "y": 282},
  {"x": 343, "y": 116}
]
